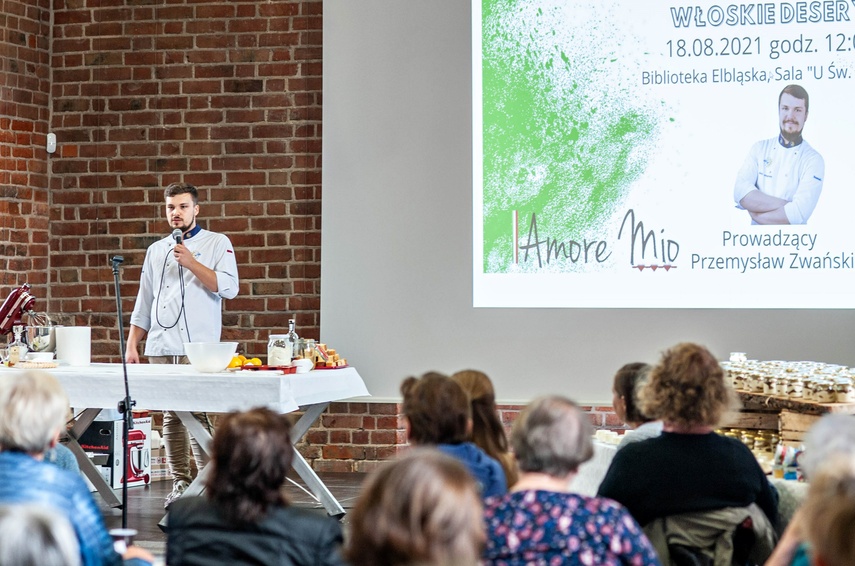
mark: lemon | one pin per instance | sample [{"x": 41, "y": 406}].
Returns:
[
  {"x": 254, "y": 361},
  {"x": 242, "y": 359},
  {"x": 235, "y": 363}
]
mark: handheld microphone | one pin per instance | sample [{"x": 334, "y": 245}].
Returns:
[{"x": 177, "y": 235}]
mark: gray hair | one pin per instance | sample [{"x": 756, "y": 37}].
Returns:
[
  {"x": 32, "y": 535},
  {"x": 832, "y": 435},
  {"x": 33, "y": 409},
  {"x": 552, "y": 436}
]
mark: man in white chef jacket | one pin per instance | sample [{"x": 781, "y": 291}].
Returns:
[
  {"x": 781, "y": 179},
  {"x": 182, "y": 286}
]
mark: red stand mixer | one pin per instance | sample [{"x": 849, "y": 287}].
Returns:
[
  {"x": 17, "y": 304},
  {"x": 138, "y": 457}
]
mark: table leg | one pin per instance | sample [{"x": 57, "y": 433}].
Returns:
[
  {"x": 311, "y": 413},
  {"x": 81, "y": 423}
]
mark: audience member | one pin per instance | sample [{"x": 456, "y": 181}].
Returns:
[
  {"x": 488, "y": 434},
  {"x": 33, "y": 409},
  {"x": 829, "y": 513},
  {"x": 62, "y": 457},
  {"x": 831, "y": 437},
  {"x": 423, "y": 509},
  {"x": 689, "y": 468},
  {"x": 437, "y": 413},
  {"x": 244, "y": 517},
  {"x": 32, "y": 535},
  {"x": 541, "y": 521},
  {"x": 627, "y": 382}
]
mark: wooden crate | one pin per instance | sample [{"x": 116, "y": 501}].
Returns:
[
  {"x": 794, "y": 426},
  {"x": 760, "y": 420}
]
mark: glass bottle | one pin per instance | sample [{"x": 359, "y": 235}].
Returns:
[
  {"x": 292, "y": 336},
  {"x": 17, "y": 350}
]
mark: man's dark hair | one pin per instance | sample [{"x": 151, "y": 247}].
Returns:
[
  {"x": 798, "y": 92},
  {"x": 176, "y": 189}
]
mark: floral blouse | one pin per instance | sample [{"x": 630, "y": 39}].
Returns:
[{"x": 551, "y": 528}]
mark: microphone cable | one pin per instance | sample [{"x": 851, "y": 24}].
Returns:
[{"x": 182, "y": 310}]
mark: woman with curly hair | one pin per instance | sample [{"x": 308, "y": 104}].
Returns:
[
  {"x": 488, "y": 434},
  {"x": 689, "y": 467}
]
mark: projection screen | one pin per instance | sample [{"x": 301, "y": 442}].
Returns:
[{"x": 647, "y": 147}]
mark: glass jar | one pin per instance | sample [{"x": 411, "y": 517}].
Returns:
[
  {"x": 279, "y": 350},
  {"x": 17, "y": 350}
]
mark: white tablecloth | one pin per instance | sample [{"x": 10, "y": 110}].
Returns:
[{"x": 182, "y": 388}]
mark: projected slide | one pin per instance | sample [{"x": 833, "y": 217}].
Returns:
[{"x": 648, "y": 154}]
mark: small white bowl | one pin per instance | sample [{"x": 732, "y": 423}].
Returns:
[
  {"x": 303, "y": 365},
  {"x": 40, "y": 356}
]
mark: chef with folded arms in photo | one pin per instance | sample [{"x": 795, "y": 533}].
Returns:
[
  {"x": 184, "y": 279},
  {"x": 781, "y": 179}
]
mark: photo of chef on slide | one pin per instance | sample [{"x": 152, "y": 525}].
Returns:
[{"x": 781, "y": 179}]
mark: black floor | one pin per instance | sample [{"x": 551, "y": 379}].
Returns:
[{"x": 145, "y": 505}]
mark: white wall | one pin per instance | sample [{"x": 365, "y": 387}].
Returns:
[{"x": 396, "y": 294}]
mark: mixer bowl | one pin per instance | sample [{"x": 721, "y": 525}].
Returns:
[{"x": 41, "y": 338}]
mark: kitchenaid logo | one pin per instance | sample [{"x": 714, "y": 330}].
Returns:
[{"x": 647, "y": 248}]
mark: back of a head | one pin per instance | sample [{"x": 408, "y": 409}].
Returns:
[
  {"x": 487, "y": 430},
  {"x": 437, "y": 409},
  {"x": 33, "y": 409},
  {"x": 552, "y": 436},
  {"x": 626, "y": 385},
  {"x": 32, "y": 535},
  {"x": 832, "y": 435},
  {"x": 829, "y": 512},
  {"x": 421, "y": 509},
  {"x": 687, "y": 388},
  {"x": 252, "y": 454}
]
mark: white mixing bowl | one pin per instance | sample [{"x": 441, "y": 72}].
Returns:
[{"x": 210, "y": 357}]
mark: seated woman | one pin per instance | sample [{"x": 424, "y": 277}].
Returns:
[
  {"x": 437, "y": 413},
  {"x": 829, "y": 513},
  {"x": 689, "y": 468},
  {"x": 38, "y": 535},
  {"x": 421, "y": 509},
  {"x": 625, "y": 388},
  {"x": 244, "y": 518},
  {"x": 540, "y": 521},
  {"x": 488, "y": 434},
  {"x": 831, "y": 438}
]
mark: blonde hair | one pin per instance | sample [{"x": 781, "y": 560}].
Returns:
[
  {"x": 33, "y": 409},
  {"x": 829, "y": 512},
  {"x": 687, "y": 388},
  {"x": 488, "y": 433},
  {"x": 34, "y": 535},
  {"x": 421, "y": 509}
]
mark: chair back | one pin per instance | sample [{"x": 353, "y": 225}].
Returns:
[{"x": 734, "y": 536}]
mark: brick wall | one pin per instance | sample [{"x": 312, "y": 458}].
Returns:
[
  {"x": 24, "y": 113},
  {"x": 225, "y": 95},
  {"x": 141, "y": 93},
  {"x": 357, "y": 437}
]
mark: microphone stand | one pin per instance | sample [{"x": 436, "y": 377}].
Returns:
[{"x": 127, "y": 404}]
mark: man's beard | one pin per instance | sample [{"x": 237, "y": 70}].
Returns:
[{"x": 792, "y": 136}]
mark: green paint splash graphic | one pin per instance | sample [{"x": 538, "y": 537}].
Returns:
[{"x": 564, "y": 136}]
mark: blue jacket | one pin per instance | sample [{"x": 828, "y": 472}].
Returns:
[
  {"x": 23, "y": 479},
  {"x": 487, "y": 471}
]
